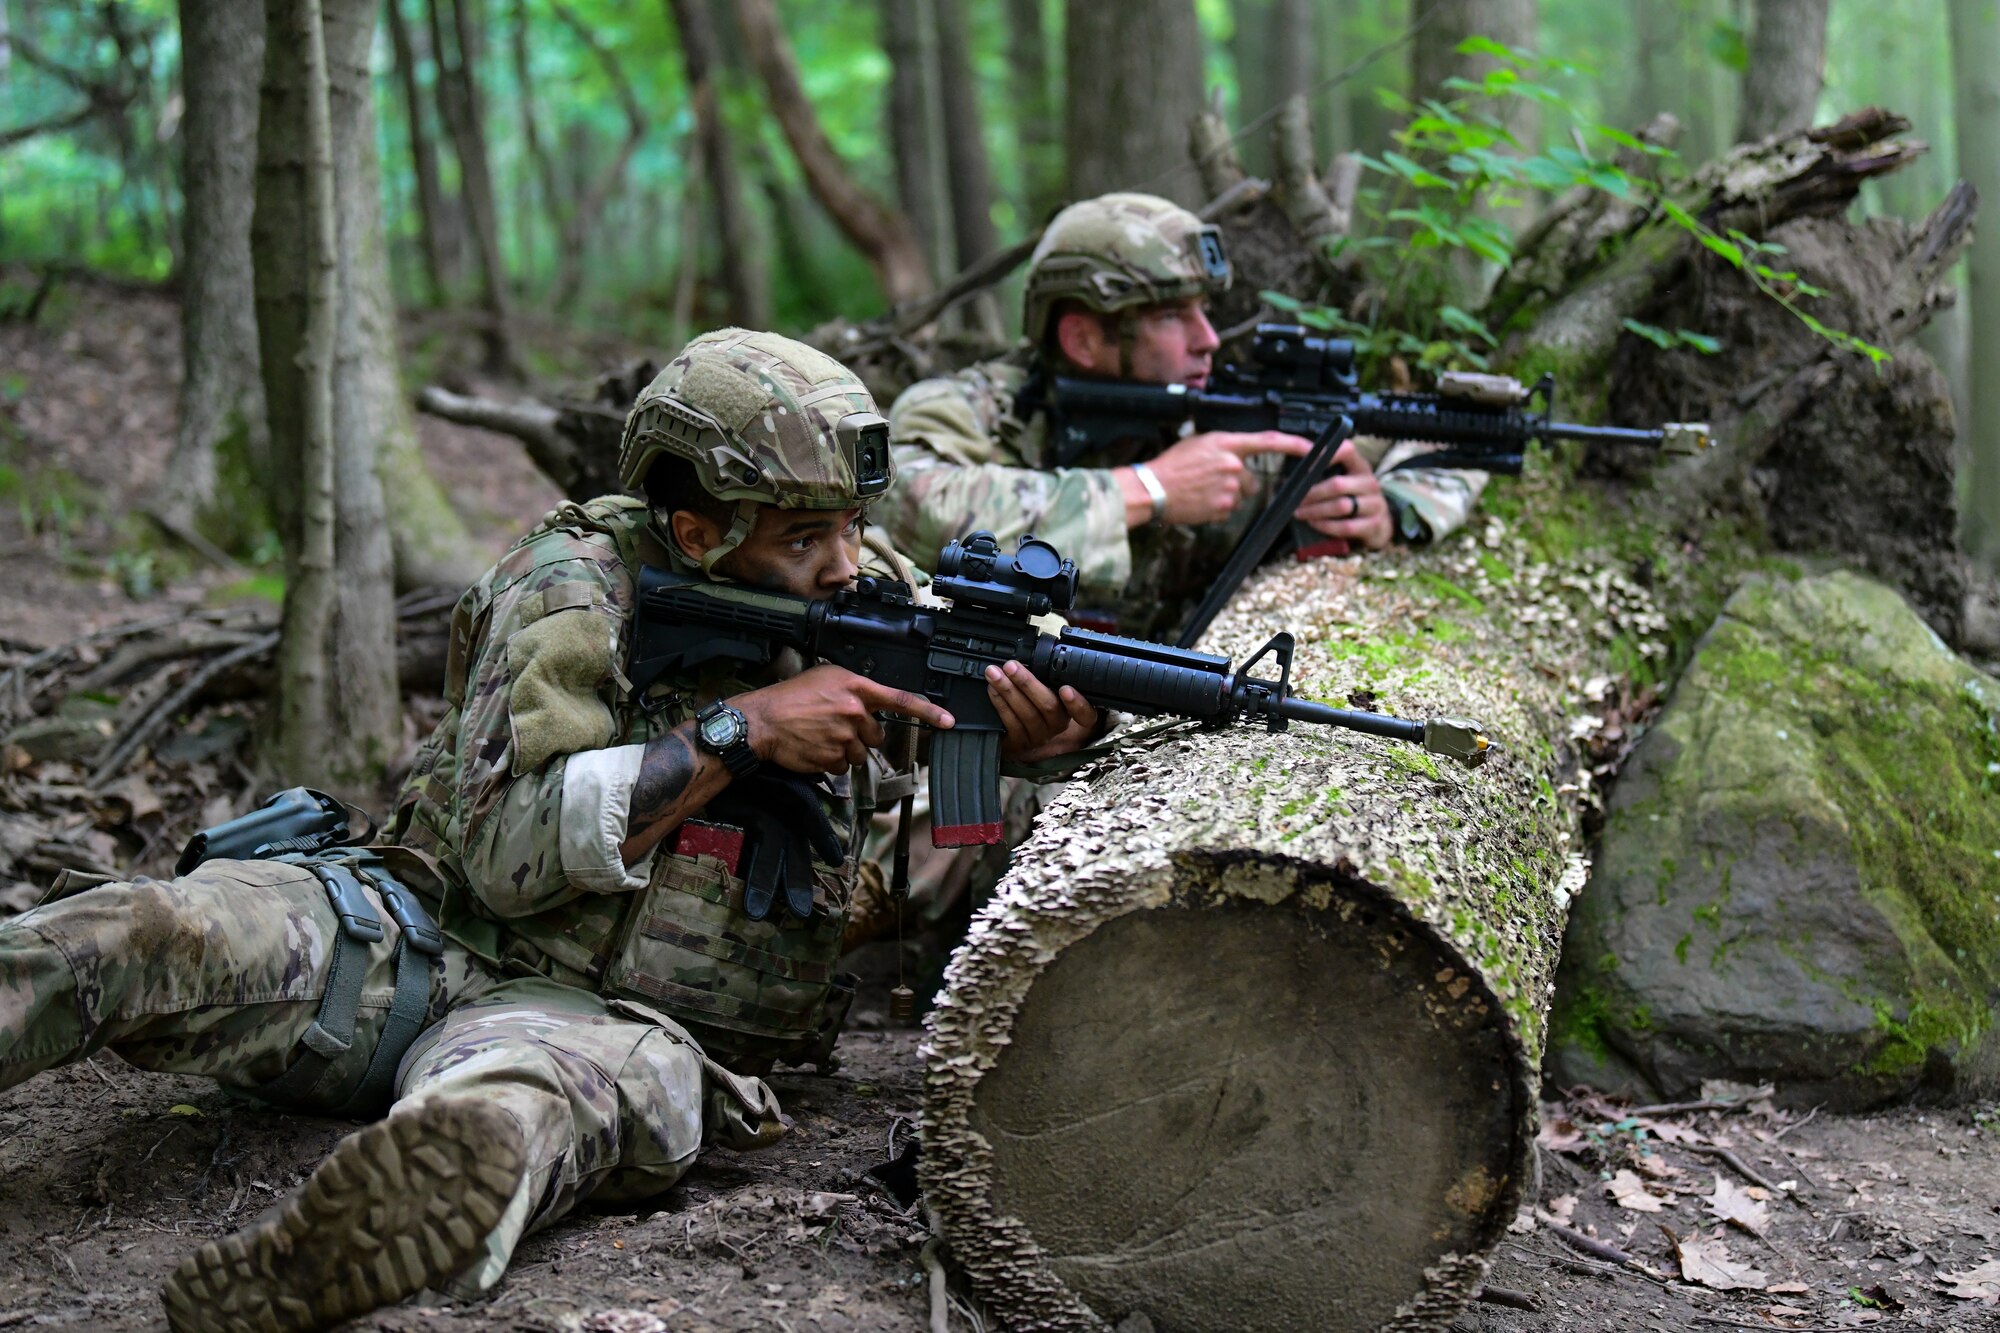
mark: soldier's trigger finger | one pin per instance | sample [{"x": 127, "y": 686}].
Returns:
[
  {"x": 886, "y": 698},
  {"x": 1265, "y": 442}
]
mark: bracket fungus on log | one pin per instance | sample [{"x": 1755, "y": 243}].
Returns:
[{"x": 1250, "y": 1036}]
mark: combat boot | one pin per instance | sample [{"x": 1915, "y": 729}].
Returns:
[{"x": 400, "y": 1205}]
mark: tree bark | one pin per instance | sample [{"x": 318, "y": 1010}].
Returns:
[
  {"x": 440, "y": 258},
  {"x": 743, "y": 274},
  {"x": 464, "y": 115},
  {"x": 580, "y": 221},
  {"x": 1975, "y": 49},
  {"x": 338, "y": 712},
  {"x": 881, "y": 234},
  {"x": 1787, "y": 66},
  {"x": 382, "y": 464},
  {"x": 1034, "y": 109},
  {"x": 1134, "y": 81},
  {"x": 222, "y": 396},
  {"x": 916, "y": 126},
  {"x": 969, "y": 172}
]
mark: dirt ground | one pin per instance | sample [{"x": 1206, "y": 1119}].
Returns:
[{"x": 108, "y": 1174}]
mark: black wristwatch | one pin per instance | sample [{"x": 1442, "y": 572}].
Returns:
[{"x": 725, "y": 733}]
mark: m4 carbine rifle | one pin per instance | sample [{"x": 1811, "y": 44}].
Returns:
[
  {"x": 877, "y": 629},
  {"x": 1304, "y": 384}
]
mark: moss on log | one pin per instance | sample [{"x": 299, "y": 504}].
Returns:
[{"x": 1250, "y": 1036}]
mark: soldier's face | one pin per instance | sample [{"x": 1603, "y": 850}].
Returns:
[
  {"x": 1174, "y": 344},
  {"x": 1171, "y": 344},
  {"x": 811, "y": 553}
]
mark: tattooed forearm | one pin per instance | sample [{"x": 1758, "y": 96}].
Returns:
[{"x": 666, "y": 776}]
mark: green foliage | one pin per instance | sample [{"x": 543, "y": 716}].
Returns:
[{"x": 1456, "y": 166}]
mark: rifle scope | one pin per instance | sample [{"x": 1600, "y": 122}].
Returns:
[
  {"x": 1034, "y": 580},
  {"x": 1294, "y": 357}
]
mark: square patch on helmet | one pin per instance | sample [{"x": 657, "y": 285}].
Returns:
[
  {"x": 815, "y": 365},
  {"x": 733, "y": 398}
]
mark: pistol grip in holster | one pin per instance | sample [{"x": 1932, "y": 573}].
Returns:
[{"x": 965, "y": 787}]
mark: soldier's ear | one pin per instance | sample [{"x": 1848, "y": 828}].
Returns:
[
  {"x": 1083, "y": 340},
  {"x": 695, "y": 534}
]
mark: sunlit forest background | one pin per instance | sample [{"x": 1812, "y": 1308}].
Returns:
[
  {"x": 562, "y": 182},
  {"x": 99, "y": 187}
]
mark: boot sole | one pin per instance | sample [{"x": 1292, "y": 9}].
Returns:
[{"x": 397, "y": 1206}]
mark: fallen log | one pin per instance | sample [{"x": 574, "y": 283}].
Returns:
[{"x": 1249, "y": 1037}]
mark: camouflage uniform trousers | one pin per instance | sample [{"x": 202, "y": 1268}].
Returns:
[{"x": 220, "y": 973}]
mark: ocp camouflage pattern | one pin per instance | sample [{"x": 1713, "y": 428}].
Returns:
[{"x": 964, "y": 461}]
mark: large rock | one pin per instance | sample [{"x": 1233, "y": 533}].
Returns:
[{"x": 1799, "y": 879}]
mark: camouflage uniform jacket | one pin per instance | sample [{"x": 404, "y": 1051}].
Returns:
[
  {"x": 522, "y": 792},
  {"x": 965, "y": 461}
]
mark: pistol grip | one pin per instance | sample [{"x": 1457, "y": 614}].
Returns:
[{"x": 965, "y": 787}]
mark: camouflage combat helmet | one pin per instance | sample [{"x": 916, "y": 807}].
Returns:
[
  {"x": 765, "y": 421},
  {"x": 1121, "y": 252}
]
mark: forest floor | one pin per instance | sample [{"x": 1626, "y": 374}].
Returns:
[{"x": 108, "y": 1175}]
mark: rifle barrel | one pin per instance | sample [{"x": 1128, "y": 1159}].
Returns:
[
  {"x": 1570, "y": 430},
  {"x": 1374, "y": 724}
]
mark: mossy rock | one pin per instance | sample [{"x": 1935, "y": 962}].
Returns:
[{"x": 1799, "y": 877}]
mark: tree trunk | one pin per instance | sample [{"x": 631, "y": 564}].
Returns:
[
  {"x": 1249, "y": 1038},
  {"x": 579, "y": 222},
  {"x": 1975, "y": 48},
  {"x": 222, "y": 396},
  {"x": 1034, "y": 109},
  {"x": 743, "y": 274},
  {"x": 376, "y": 435},
  {"x": 464, "y": 115},
  {"x": 539, "y": 157},
  {"x": 880, "y": 233},
  {"x": 1134, "y": 76},
  {"x": 1434, "y": 54},
  {"x": 1251, "y": 53},
  {"x": 969, "y": 172},
  {"x": 440, "y": 254},
  {"x": 915, "y": 111},
  {"x": 338, "y": 716},
  {"x": 1787, "y": 65}
]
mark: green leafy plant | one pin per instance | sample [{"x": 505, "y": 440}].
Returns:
[{"x": 1455, "y": 165}]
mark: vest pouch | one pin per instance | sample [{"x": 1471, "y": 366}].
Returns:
[{"x": 750, "y": 991}]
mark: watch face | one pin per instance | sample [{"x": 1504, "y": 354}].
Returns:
[{"x": 721, "y": 729}]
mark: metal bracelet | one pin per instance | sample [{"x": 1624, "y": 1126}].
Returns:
[{"x": 1154, "y": 491}]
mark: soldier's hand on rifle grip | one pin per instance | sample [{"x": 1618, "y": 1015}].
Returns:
[
  {"x": 1349, "y": 503},
  {"x": 823, "y": 719},
  {"x": 1203, "y": 475},
  {"x": 1041, "y": 723}
]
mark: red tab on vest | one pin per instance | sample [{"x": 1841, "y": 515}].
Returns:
[
  {"x": 724, "y": 842},
  {"x": 1321, "y": 549},
  {"x": 966, "y": 835}
]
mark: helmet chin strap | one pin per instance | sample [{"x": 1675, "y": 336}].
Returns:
[
  {"x": 1128, "y": 337},
  {"x": 739, "y": 529}
]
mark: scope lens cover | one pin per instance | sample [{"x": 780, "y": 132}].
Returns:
[{"x": 1037, "y": 559}]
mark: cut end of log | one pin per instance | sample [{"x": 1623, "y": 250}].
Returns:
[{"x": 1249, "y": 1093}]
